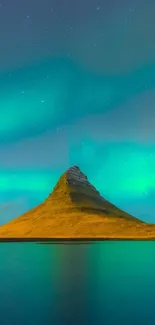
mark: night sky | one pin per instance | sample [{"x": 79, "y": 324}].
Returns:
[{"x": 77, "y": 87}]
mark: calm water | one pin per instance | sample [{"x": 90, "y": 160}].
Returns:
[{"x": 77, "y": 284}]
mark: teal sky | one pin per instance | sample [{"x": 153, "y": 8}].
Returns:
[{"x": 79, "y": 88}]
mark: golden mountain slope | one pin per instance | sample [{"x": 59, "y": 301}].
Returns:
[{"x": 75, "y": 209}]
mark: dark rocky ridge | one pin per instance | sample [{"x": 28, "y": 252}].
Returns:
[
  {"x": 75, "y": 177},
  {"x": 74, "y": 190}
]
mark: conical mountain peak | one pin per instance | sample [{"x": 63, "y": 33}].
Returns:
[
  {"x": 75, "y": 209},
  {"x": 76, "y": 177},
  {"x": 73, "y": 182}
]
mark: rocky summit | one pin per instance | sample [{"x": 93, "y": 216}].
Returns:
[
  {"x": 74, "y": 210},
  {"x": 75, "y": 177},
  {"x": 74, "y": 189}
]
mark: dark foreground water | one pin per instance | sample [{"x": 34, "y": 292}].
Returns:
[{"x": 77, "y": 284}]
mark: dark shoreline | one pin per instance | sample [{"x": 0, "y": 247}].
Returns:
[{"x": 67, "y": 240}]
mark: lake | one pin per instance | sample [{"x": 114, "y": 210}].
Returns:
[{"x": 77, "y": 284}]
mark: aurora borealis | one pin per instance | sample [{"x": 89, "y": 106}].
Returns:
[{"x": 77, "y": 87}]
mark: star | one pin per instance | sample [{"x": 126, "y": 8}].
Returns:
[
  {"x": 70, "y": 28},
  {"x": 48, "y": 130},
  {"x": 58, "y": 129}
]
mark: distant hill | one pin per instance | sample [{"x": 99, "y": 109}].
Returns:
[{"x": 75, "y": 209}]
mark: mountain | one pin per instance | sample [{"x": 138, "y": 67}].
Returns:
[{"x": 75, "y": 209}]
